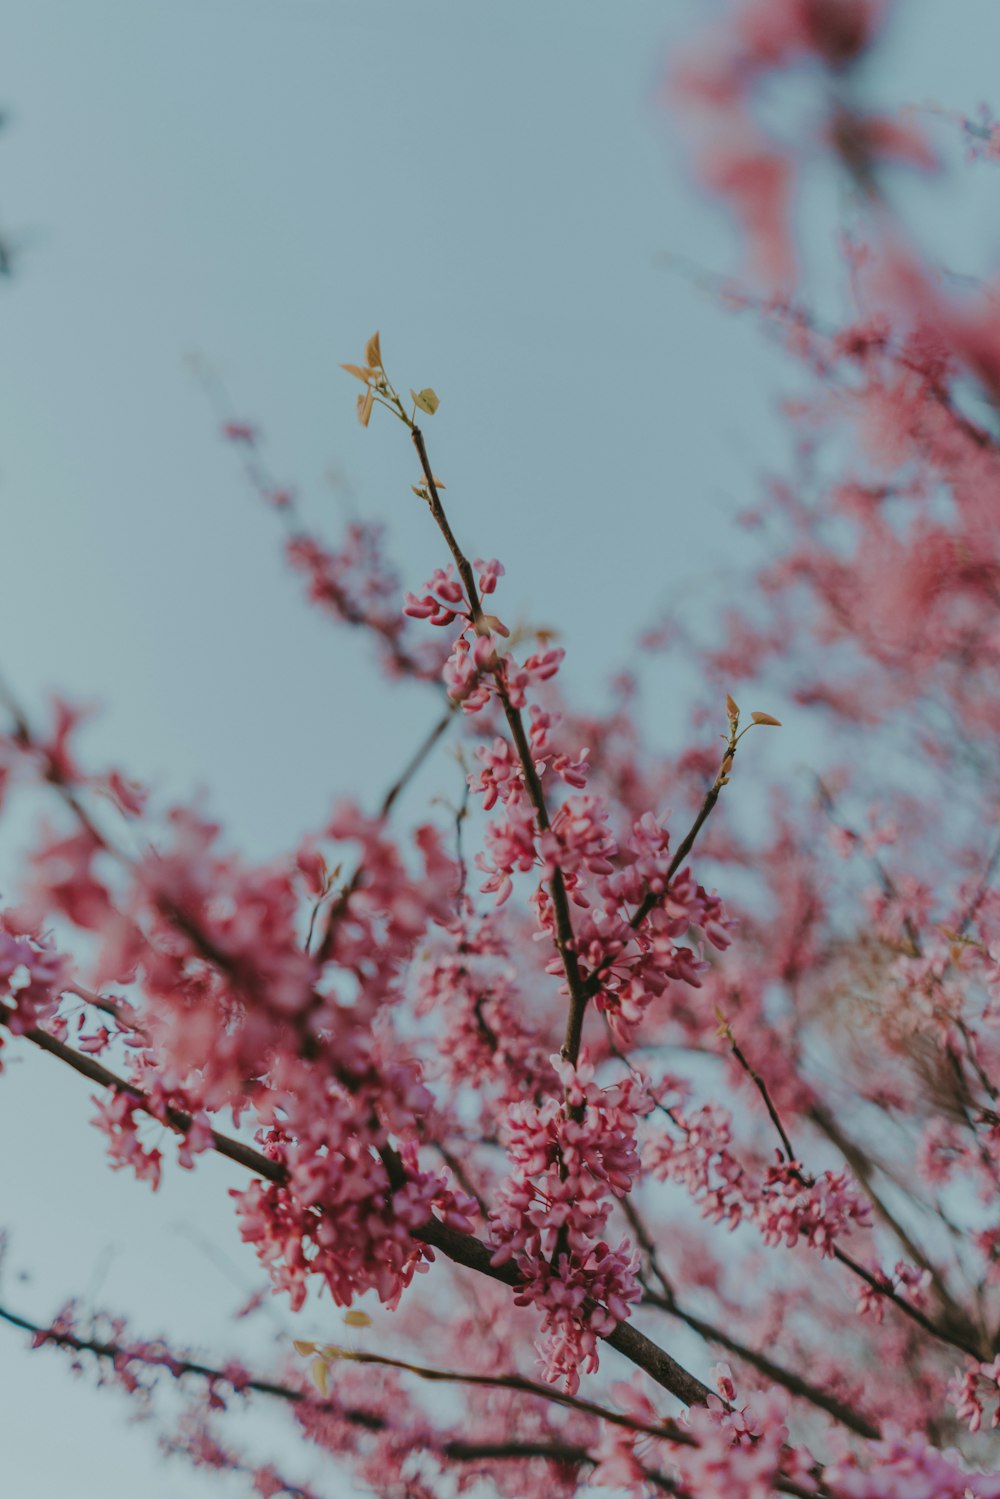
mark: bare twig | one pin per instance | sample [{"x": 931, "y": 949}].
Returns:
[{"x": 666, "y": 1430}]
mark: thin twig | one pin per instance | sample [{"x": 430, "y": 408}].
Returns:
[
  {"x": 564, "y": 937},
  {"x": 794, "y": 1383},
  {"x": 666, "y": 1430},
  {"x": 955, "y": 1339},
  {"x": 121, "y": 1354}
]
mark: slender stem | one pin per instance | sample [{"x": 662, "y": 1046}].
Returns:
[
  {"x": 415, "y": 761},
  {"x": 461, "y": 1175},
  {"x": 864, "y": 1167},
  {"x": 557, "y": 885},
  {"x": 761, "y": 1087},
  {"x": 653, "y": 898},
  {"x": 266, "y": 486},
  {"x": 338, "y": 907},
  {"x": 666, "y": 1430},
  {"x": 952, "y": 1339},
  {"x": 958, "y": 1338},
  {"x": 90, "y": 1067},
  {"x": 455, "y": 1449},
  {"x": 369, "y": 1420},
  {"x": 778, "y": 1373},
  {"x": 794, "y": 1383}
]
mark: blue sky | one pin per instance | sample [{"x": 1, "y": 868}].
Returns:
[{"x": 264, "y": 184}]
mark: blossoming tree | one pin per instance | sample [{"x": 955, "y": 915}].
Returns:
[{"x": 527, "y": 1042}]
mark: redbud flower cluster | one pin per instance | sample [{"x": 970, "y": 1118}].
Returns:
[{"x": 571, "y": 1157}]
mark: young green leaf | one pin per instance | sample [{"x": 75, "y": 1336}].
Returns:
[
  {"x": 425, "y": 400},
  {"x": 319, "y": 1373}
]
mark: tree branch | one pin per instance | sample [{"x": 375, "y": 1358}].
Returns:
[
  {"x": 557, "y": 885},
  {"x": 119, "y": 1354},
  {"x": 461, "y": 1248}
]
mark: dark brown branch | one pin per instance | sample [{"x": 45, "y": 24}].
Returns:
[
  {"x": 653, "y": 898},
  {"x": 761, "y": 1087},
  {"x": 557, "y": 885},
  {"x": 796, "y": 1385},
  {"x": 957, "y": 1338},
  {"x": 455, "y": 1449},
  {"x": 89, "y": 1067},
  {"x": 461, "y": 1248},
  {"x": 666, "y": 1430},
  {"x": 339, "y": 906},
  {"x": 864, "y": 1168},
  {"x": 556, "y": 1452},
  {"x": 461, "y": 1175},
  {"x": 415, "y": 761}
]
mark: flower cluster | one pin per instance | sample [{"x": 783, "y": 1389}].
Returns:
[
  {"x": 570, "y": 1159},
  {"x": 739, "y": 1451},
  {"x": 32, "y": 977},
  {"x": 791, "y": 1208},
  {"x": 354, "y": 582},
  {"x": 479, "y": 1027},
  {"x": 912, "y": 1283},
  {"x": 339, "y": 1218},
  {"x": 970, "y": 1391},
  {"x": 906, "y": 1466},
  {"x": 785, "y": 1204}
]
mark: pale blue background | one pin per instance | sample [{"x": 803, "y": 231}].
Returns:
[{"x": 266, "y": 183}]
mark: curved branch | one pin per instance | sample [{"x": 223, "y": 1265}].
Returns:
[{"x": 461, "y": 1248}]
